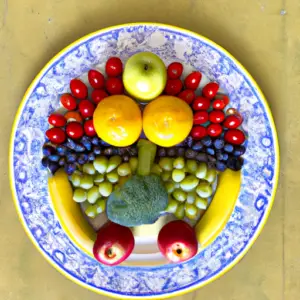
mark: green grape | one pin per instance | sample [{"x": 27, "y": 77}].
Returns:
[
  {"x": 105, "y": 188},
  {"x": 156, "y": 169},
  {"x": 98, "y": 178},
  {"x": 170, "y": 187},
  {"x": 113, "y": 163},
  {"x": 179, "y": 195},
  {"x": 100, "y": 164},
  {"x": 124, "y": 169},
  {"x": 93, "y": 194},
  {"x": 133, "y": 162},
  {"x": 91, "y": 211},
  {"x": 166, "y": 175},
  {"x": 79, "y": 195},
  {"x": 89, "y": 169},
  {"x": 204, "y": 190},
  {"x": 201, "y": 170},
  {"x": 201, "y": 203},
  {"x": 100, "y": 205},
  {"x": 178, "y": 175},
  {"x": 179, "y": 213},
  {"x": 112, "y": 177},
  {"x": 178, "y": 163},
  {"x": 191, "y": 197},
  {"x": 86, "y": 181},
  {"x": 191, "y": 166},
  {"x": 172, "y": 206},
  {"x": 211, "y": 175},
  {"x": 191, "y": 211},
  {"x": 189, "y": 183},
  {"x": 166, "y": 163},
  {"x": 75, "y": 179}
]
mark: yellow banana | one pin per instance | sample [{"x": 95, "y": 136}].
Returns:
[
  {"x": 220, "y": 209},
  {"x": 69, "y": 213}
]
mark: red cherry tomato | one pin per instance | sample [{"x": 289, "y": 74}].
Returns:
[
  {"x": 74, "y": 130},
  {"x": 78, "y": 89},
  {"x": 210, "y": 90},
  {"x": 198, "y": 132},
  {"x": 86, "y": 108},
  {"x": 200, "y": 117},
  {"x": 214, "y": 130},
  {"x": 56, "y": 135},
  {"x": 114, "y": 67},
  {"x": 175, "y": 70},
  {"x": 57, "y": 120},
  {"x": 223, "y": 97},
  {"x": 187, "y": 95},
  {"x": 98, "y": 95},
  {"x": 192, "y": 81},
  {"x": 114, "y": 86},
  {"x": 235, "y": 136},
  {"x": 89, "y": 128},
  {"x": 68, "y": 102},
  {"x": 201, "y": 103},
  {"x": 96, "y": 79},
  {"x": 216, "y": 116},
  {"x": 73, "y": 116},
  {"x": 219, "y": 104},
  {"x": 233, "y": 121},
  {"x": 173, "y": 87}
]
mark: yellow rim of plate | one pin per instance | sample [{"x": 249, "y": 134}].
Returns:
[{"x": 276, "y": 145}]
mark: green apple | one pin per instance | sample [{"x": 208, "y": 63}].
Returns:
[{"x": 144, "y": 76}]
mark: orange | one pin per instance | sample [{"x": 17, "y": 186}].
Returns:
[
  {"x": 167, "y": 121},
  {"x": 118, "y": 120}
]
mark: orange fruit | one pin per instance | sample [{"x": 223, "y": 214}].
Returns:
[
  {"x": 167, "y": 121},
  {"x": 118, "y": 120}
]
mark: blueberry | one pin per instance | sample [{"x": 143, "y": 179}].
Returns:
[
  {"x": 220, "y": 166},
  {"x": 108, "y": 151},
  {"x": 189, "y": 153},
  {"x": 206, "y": 141},
  {"x": 48, "y": 150},
  {"x": 188, "y": 142},
  {"x": 82, "y": 159},
  {"x": 162, "y": 152},
  {"x": 210, "y": 151},
  {"x": 79, "y": 148},
  {"x": 70, "y": 168},
  {"x": 45, "y": 161},
  {"x": 219, "y": 155},
  {"x": 71, "y": 158},
  {"x": 53, "y": 167},
  {"x": 104, "y": 143},
  {"x": 171, "y": 152},
  {"x": 219, "y": 144},
  {"x": 61, "y": 150},
  {"x": 54, "y": 157},
  {"x": 97, "y": 150},
  {"x": 180, "y": 151},
  {"x": 62, "y": 161},
  {"x": 225, "y": 156},
  {"x": 95, "y": 141},
  {"x": 197, "y": 146},
  {"x": 202, "y": 157},
  {"x": 91, "y": 156},
  {"x": 115, "y": 151},
  {"x": 239, "y": 150},
  {"x": 71, "y": 144},
  {"x": 228, "y": 148}
]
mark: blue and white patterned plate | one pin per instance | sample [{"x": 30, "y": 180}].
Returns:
[{"x": 29, "y": 179}]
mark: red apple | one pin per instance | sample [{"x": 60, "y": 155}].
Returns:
[
  {"x": 177, "y": 241},
  {"x": 114, "y": 244}
]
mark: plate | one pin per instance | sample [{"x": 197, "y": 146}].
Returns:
[{"x": 29, "y": 180}]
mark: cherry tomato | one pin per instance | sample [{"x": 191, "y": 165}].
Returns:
[
  {"x": 173, "y": 87},
  {"x": 96, "y": 79},
  {"x": 200, "y": 117},
  {"x": 98, "y": 95},
  {"x": 201, "y": 103},
  {"x": 78, "y": 89},
  {"x": 175, "y": 70},
  {"x": 57, "y": 120},
  {"x": 219, "y": 104},
  {"x": 114, "y": 67},
  {"x": 210, "y": 90},
  {"x": 74, "y": 130},
  {"x": 68, "y": 101},
  {"x": 86, "y": 108},
  {"x": 56, "y": 135},
  {"x": 114, "y": 86},
  {"x": 214, "y": 130},
  {"x": 233, "y": 121},
  {"x": 73, "y": 116},
  {"x": 89, "y": 128},
  {"x": 216, "y": 116},
  {"x": 198, "y": 132},
  {"x": 187, "y": 95},
  {"x": 223, "y": 97},
  {"x": 235, "y": 136},
  {"x": 192, "y": 81}
]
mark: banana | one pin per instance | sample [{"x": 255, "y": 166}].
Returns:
[
  {"x": 69, "y": 213},
  {"x": 220, "y": 209}
]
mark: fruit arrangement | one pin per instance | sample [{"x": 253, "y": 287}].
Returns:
[{"x": 137, "y": 143}]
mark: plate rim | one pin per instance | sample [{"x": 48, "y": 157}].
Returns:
[{"x": 268, "y": 113}]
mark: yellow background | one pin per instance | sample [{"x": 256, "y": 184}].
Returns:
[{"x": 267, "y": 43}]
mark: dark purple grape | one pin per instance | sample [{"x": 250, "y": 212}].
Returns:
[
  {"x": 221, "y": 166},
  {"x": 45, "y": 161},
  {"x": 85, "y": 141},
  {"x": 48, "y": 150},
  {"x": 180, "y": 151},
  {"x": 79, "y": 148},
  {"x": 239, "y": 150},
  {"x": 202, "y": 157},
  {"x": 228, "y": 148},
  {"x": 206, "y": 141},
  {"x": 197, "y": 146},
  {"x": 188, "y": 142},
  {"x": 115, "y": 151},
  {"x": 126, "y": 158},
  {"x": 133, "y": 151},
  {"x": 62, "y": 161},
  {"x": 97, "y": 150},
  {"x": 189, "y": 153},
  {"x": 219, "y": 144},
  {"x": 171, "y": 152},
  {"x": 91, "y": 156},
  {"x": 54, "y": 157},
  {"x": 70, "y": 168},
  {"x": 225, "y": 156},
  {"x": 108, "y": 151},
  {"x": 162, "y": 152},
  {"x": 219, "y": 155},
  {"x": 71, "y": 144},
  {"x": 82, "y": 159},
  {"x": 53, "y": 167},
  {"x": 210, "y": 151},
  {"x": 104, "y": 143},
  {"x": 71, "y": 158},
  {"x": 235, "y": 163},
  {"x": 122, "y": 151},
  {"x": 95, "y": 141},
  {"x": 61, "y": 150}
]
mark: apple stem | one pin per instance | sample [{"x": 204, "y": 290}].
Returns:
[{"x": 146, "y": 67}]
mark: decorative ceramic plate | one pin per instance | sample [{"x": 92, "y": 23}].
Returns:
[{"x": 29, "y": 178}]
